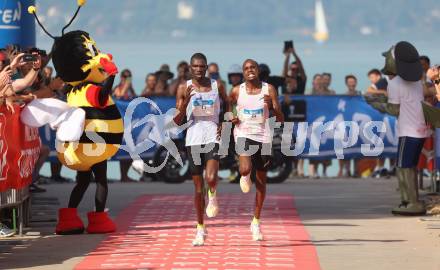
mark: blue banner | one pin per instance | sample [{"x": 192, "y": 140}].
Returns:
[
  {"x": 17, "y": 26},
  {"x": 334, "y": 126},
  {"x": 344, "y": 125}
]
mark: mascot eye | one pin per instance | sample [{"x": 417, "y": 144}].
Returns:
[{"x": 92, "y": 49}]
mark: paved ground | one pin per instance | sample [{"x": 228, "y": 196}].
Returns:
[{"x": 348, "y": 222}]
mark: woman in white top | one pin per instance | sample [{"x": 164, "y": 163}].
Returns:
[
  {"x": 200, "y": 105},
  {"x": 254, "y": 100}
]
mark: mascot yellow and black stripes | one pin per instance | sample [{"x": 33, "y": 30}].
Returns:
[{"x": 89, "y": 75}]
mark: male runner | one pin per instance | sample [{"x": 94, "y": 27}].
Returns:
[
  {"x": 200, "y": 104},
  {"x": 254, "y": 100}
]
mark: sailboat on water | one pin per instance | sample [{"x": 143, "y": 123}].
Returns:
[{"x": 321, "y": 29}]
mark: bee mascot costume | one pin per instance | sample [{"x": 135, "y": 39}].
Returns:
[{"x": 89, "y": 75}]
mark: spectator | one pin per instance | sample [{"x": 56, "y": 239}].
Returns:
[
  {"x": 5, "y": 231},
  {"x": 290, "y": 111},
  {"x": 3, "y": 60},
  {"x": 345, "y": 164},
  {"x": 46, "y": 86},
  {"x": 163, "y": 75},
  {"x": 235, "y": 75},
  {"x": 44, "y": 154},
  {"x": 428, "y": 87},
  {"x": 124, "y": 90},
  {"x": 214, "y": 73},
  {"x": 277, "y": 81},
  {"x": 295, "y": 72},
  {"x": 426, "y": 64},
  {"x": 376, "y": 80},
  {"x": 47, "y": 71},
  {"x": 316, "y": 85},
  {"x": 294, "y": 84},
  {"x": 291, "y": 87},
  {"x": 320, "y": 86},
  {"x": 56, "y": 166},
  {"x": 5, "y": 76},
  {"x": 351, "y": 83},
  {"x": 150, "y": 85},
  {"x": 60, "y": 93},
  {"x": 316, "y": 89},
  {"x": 24, "y": 73},
  {"x": 326, "y": 82},
  {"x": 378, "y": 88},
  {"x": 182, "y": 76}
]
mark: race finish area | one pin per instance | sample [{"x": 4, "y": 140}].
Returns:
[{"x": 155, "y": 232}]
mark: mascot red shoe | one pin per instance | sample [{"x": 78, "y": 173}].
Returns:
[{"x": 89, "y": 75}]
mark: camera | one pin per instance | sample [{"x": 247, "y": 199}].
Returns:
[
  {"x": 288, "y": 44},
  {"x": 29, "y": 57},
  {"x": 38, "y": 51}
]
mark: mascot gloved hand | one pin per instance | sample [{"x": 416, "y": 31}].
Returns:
[
  {"x": 90, "y": 75},
  {"x": 68, "y": 121}
]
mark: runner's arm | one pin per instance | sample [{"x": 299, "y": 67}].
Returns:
[
  {"x": 233, "y": 97},
  {"x": 276, "y": 104},
  {"x": 226, "y": 104},
  {"x": 182, "y": 99}
]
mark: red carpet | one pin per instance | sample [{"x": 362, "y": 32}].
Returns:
[{"x": 156, "y": 232}]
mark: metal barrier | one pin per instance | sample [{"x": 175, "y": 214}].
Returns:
[{"x": 19, "y": 199}]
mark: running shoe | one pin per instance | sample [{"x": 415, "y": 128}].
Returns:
[
  {"x": 256, "y": 232},
  {"x": 245, "y": 183},
  {"x": 5, "y": 231},
  {"x": 212, "y": 208},
  {"x": 201, "y": 234}
]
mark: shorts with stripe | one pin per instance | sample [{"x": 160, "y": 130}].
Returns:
[{"x": 408, "y": 152}]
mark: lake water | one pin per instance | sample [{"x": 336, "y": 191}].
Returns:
[{"x": 338, "y": 58}]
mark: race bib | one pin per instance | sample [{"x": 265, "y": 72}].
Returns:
[
  {"x": 203, "y": 107},
  {"x": 252, "y": 117}
]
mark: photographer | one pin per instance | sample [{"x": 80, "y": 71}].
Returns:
[
  {"x": 294, "y": 74},
  {"x": 25, "y": 66}
]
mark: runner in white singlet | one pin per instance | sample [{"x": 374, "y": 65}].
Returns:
[
  {"x": 200, "y": 103},
  {"x": 254, "y": 100}
]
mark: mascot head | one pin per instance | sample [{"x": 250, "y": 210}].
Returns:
[
  {"x": 390, "y": 63},
  {"x": 75, "y": 55}
]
